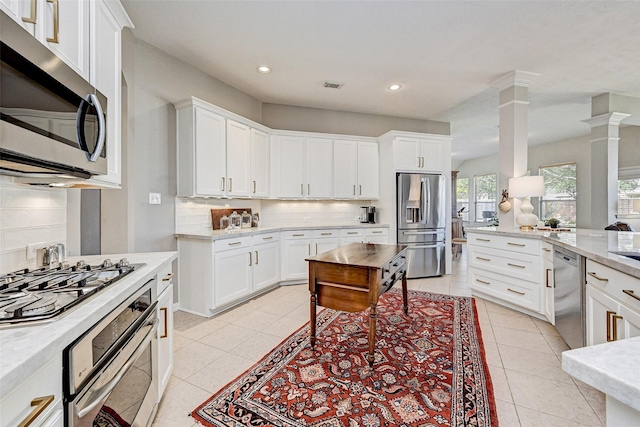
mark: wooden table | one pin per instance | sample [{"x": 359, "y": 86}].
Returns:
[{"x": 352, "y": 278}]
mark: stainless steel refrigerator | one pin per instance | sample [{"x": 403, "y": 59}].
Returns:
[{"x": 422, "y": 222}]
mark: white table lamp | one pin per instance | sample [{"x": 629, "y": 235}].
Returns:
[{"x": 526, "y": 187}]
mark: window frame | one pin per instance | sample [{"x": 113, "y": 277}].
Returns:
[
  {"x": 475, "y": 198},
  {"x": 464, "y": 215},
  {"x": 543, "y": 200},
  {"x": 624, "y": 174}
]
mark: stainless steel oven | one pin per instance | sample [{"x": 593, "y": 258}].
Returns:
[{"x": 110, "y": 372}]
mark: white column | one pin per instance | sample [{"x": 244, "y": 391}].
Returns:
[
  {"x": 604, "y": 168},
  {"x": 514, "y": 105}
]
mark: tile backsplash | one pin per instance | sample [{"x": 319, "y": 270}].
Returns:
[
  {"x": 28, "y": 215},
  {"x": 194, "y": 215}
]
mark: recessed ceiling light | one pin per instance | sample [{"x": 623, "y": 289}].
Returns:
[
  {"x": 395, "y": 87},
  {"x": 264, "y": 69}
]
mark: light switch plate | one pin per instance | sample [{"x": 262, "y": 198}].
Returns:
[
  {"x": 154, "y": 199},
  {"x": 31, "y": 249}
]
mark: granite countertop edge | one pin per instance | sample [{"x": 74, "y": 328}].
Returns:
[{"x": 25, "y": 349}]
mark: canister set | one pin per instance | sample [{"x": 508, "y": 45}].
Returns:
[{"x": 237, "y": 221}]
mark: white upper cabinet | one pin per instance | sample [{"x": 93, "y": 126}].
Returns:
[
  {"x": 107, "y": 21},
  {"x": 219, "y": 153},
  {"x": 418, "y": 154},
  {"x": 303, "y": 167},
  {"x": 259, "y": 164},
  {"x": 356, "y": 170},
  {"x": 238, "y": 159},
  {"x": 62, "y": 26}
]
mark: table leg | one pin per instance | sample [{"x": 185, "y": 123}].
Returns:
[
  {"x": 373, "y": 315},
  {"x": 404, "y": 294},
  {"x": 312, "y": 322}
]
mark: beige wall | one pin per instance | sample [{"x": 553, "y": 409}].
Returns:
[{"x": 288, "y": 117}]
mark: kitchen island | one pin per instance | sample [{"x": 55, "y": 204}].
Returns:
[{"x": 611, "y": 367}]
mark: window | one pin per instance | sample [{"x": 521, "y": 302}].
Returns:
[
  {"x": 485, "y": 196},
  {"x": 462, "y": 197},
  {"x": 559, "y": 200},
  {"x": 628, "y": 196}
]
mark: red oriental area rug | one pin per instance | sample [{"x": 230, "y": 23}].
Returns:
[{"x": 429, "y": 371}]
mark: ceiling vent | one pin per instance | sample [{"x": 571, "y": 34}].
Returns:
[{"x": 333, "y": 85}]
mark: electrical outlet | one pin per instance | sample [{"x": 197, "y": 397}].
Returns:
[
  {"x": 31, "y": 249},
  {"x": 154, "y": 199}
]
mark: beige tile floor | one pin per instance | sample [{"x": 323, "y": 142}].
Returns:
[{"x": 523, "y": 355}]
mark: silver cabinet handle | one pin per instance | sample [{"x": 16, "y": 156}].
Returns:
[
  {"x": 594, "y": 275},
  {"x": 326, "y": 234},
  {"x": 515, "y": 265},
  {"x": 267, "y": 238},
  {"x": 254, "y": 187},
  {"x": 354, "y": 189},
  {"x": 230, "y": 184},
  {"x": 308, "y": 189},
  {"x": 360, "y": 190},
  {"x": 257, "y": 260},
  {"x": 483, "y": 259},
  {"x": 482, "y": 240},
  {"x": 547, "y": 271},
  {"x": 302, "y": 189},
  {"x": 223, "y": 183},
  {"x": 515, "y": 292},
  {"x": 234, "y": 243},
  {"x": 309, "y": 248},
  {"x": 483, "y": 282},
  {"x": 32, "y": 18},
  {"x": 516, "y": 244},
  {"x": 166, "y": 323},
  {"x": 297, "y": 235},
  {"x": 546, "y": 249},
  {"x": 418, "y": 161},
  {"x": 316, "y": 249},
  {"x": 352, "y": 232},
  {"x": 250, "y": 260}
]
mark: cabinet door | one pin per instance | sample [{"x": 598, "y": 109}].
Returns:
[
  {"x": 322, "y": 245},
  {"x": 210, "y": 153},
  {"x": 290, "y": 174},
  {"x": 259, "y": 164},
  {"x": 165, "y": 339},
  {"x": 238, "y": 159},
  {"x": 406, "y": 153},
  {"x": 345, "y": 169},
  {"x": 319, "y": 168},
  {"x": 19, "y": 9},
  {"x": 602, "y": 317},
  {"x": 548, "y": 291},
  {"x": 72, "y": 42},
  {"x": 294, "y": 254},
  {"x": 232, "y": 275},
  {"x": 106, "y": 77},
  {"x": 630, "y": 322},
  {"x": 431, "y": 155},
  {"x": 368, "y": 171},
  {"x": 266, "y": 265}
]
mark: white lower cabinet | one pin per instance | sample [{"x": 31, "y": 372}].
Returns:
[
  {"x": 351, "y": 235},
  {"x": 266, "y": 260},
  {"x": 612, "y": 304},
  {"x": 377, "y": 235},
  {"x": 297, "y": 246},
  {"x": 232, "y": 262},
  {"x": 165, "y": 328},
  {"x": 44, "y": 388}
]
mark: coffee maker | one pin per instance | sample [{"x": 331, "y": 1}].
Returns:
[{"x": 368, "y": 214}]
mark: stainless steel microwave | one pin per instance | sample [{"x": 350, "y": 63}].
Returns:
[{"x": 52, "y": 121}]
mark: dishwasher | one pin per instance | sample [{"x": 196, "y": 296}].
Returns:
[{"x": 568, "y": 296}]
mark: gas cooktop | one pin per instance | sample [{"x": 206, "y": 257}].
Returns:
[{"x": 32, "y": 295}]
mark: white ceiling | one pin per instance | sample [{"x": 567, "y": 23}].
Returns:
[{"x": 444, "y": 53}]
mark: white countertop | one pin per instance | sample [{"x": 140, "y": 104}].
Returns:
[
  {"x": 613, "y": 367},
  {"x": 221, "y": 234},
  {"x": 23, "y": 349}
]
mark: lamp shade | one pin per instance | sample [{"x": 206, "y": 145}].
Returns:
[{"x": 526, "y": 186}]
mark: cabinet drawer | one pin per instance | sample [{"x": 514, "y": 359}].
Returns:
[
  {"x": 511, "y": 244},
  {"x": 615, "y": 283},
  {"x": 266, "y": 238},
  {"x": 232, "y": 243},
  {"x": 352, "y": 232},
  {"x": 521, "y": 266},
  {"x": 516, "y": 291},
  {"x": 376, "y": 232},
  {"x": 298, "y": 234},
  {"x": 547, "y": 251},
  {"x": 322, "y": 234},
  {"x": 165, "y": 277}
]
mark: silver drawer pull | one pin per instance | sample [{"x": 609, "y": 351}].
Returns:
[
  {"x": 631, "y": 293},
  {"x": 234, "y": 243},
  {"x": 482, "y": 240},
  {"x": 546, "y": 249},
  {"x": 376, "y": 232},
  {"x": 515, "y": 292},
  {"x": 297, "y": 235},
  {"x": 516, "y": 244},
  {"x": 483, "y": 282},
  {"x": 483, "y": 259},
  {"x": 352, "y": 232},
  {"x": 326, "y": 234},
  {"x": 602, "y": 279},
  {"x": 267, "y": 238},
  {"x": 515, "y": 265}
]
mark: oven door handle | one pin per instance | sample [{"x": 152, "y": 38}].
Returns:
[{"x": 108, "y": 388}]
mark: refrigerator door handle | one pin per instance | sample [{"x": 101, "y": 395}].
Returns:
[
  {"x": 421, "y": 233},
  {"x": 439, "y": 245},
  {"x": 425, "y": 198}
]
